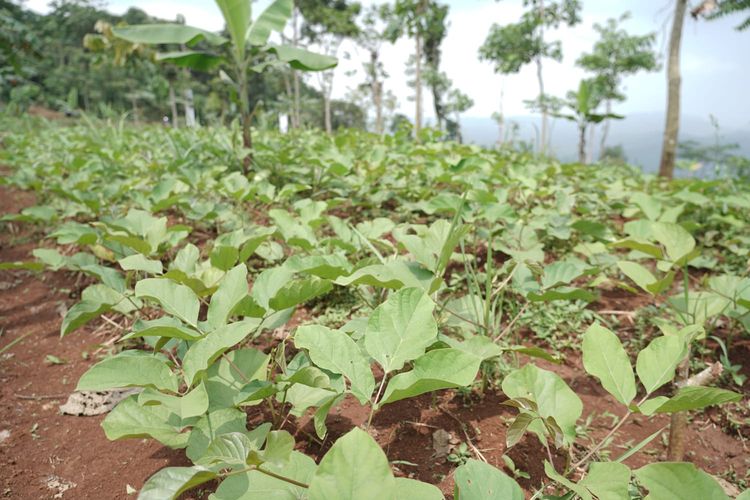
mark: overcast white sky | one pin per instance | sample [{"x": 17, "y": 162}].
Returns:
[{"x": 715, "y": 57}]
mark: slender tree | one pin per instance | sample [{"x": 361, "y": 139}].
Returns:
[
  {"x": 327, "y": 23},
  {"x": 616, "y": 55},
  {"x": 674, "y": 80},
  {"x": 456, "y": 103},
  {"x": 583, "y": 104},
  {"x": 436, "y": 28},
  {"x": 412, "y": 18},
  {"x": 371, "y": 36},
  {"x": 710, "y": 9},
  {"x": 513, "y": 46}
]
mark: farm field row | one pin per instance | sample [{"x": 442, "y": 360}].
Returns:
[{"x": 370, "y": 315}]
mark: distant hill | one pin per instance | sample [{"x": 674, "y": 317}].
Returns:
[{"x": 639, "y": 134}]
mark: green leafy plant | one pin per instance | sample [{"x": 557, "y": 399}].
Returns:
[{"x": 247, "y": 49}]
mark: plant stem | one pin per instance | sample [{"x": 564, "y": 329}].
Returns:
[
  {"x": 268, "y": 473},
  {"x": 678, "y": 421},
  {"x": 375, "y": 401}
]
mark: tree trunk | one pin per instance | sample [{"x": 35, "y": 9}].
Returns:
[
  {"x": 671, "y": 129},
  {"x": 296, "y": 118},
  {"x": 376, "y": 87},
  {"x": 679, "y": 421},
  {"x": 418, "y": 77},
  {"x": 379, "y": 125},
  {"x": 501, "y": 117},
  {"x": 245, "y": 119},
  {"x": 290, "y": 97},
  {"x": 189, "y": 108},
  {"x": 590, "y": 152},
  {"x": 605, "y": 132},
  {"x": 582, "y": 144},
  {"x": 543, "y": 139},
  {"x": 173, "y": 104},
  {"x": 134, "y": 104},
  {"x": 327, "y": 112}
]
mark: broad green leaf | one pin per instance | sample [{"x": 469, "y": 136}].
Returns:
[
  {"x": 80, "y": 314},
  {"x": 186, "y": 259},
  {"x": 650, "y": 406},
  {"x": 658, "y": 361},
  {"x": 232, "y": 448},
  {"x": 254, "y": 485},
  {"x": 678, "y": 243},
  {"x": 355, "y": 468},
  {"x": 268, "y": 283},
  {"x": 254, "y": 392},
  {"x": 128, "y": 370},
  {"x": 395, "y": 274},
  {"x": 50, "y": 257},
  {"x": 551, "y": 394},
  {"x": 274, "y": 18},
  {"x": 205, "y": 351},
  {"x": 413, "y": 489},
  {"x": 608, "y": 481},
  {"x": 468, "y": 307},
  {"x": 438, "y": 369},
  {"x": 232, "y": 290},
  {"x": 237, "y": 15},
  {"x": 166, "y": 34},
  {"x": 534, "y": 352},
  {"x": 213, "y": 425},
  {"x": 335, "y": 351},
  {"x": 310, "y": 376},
  {"x": 131, "y": 420},
  {"x": 563, "y": 272},
  {"x": 323, "y": 266},
  {"x": 517, "y": 429},
  {"x": 606, "y": 359},
  {"x": 299, "y": 291},
  {"x": 639, "y": 274},
  {"x": 401, "y": 328},
  {"x": 477, "y": 480},
  {"x": 192, "y": 404},
  {"x": 224, "y": 257},
  {"x": 138, "y": 262},
  {"x": 193, "y": 59},
  {"x": 319, "y": 418},
  {"x": 592, "y": 228},
  {"x": 105, "y": 295},
  {"x": 642, "y": 246},
  {"x": 694, "y": 398},
  {"x": 171, "y": 482},
  {"x": 745, "y": 495},
  {"x": 478, "y": 345},
  {"x": 177, "y": 300},
  {"x": 279, "y": 445},
  {"x": 301, "y": 59},
  {"x": 650, "y": 206},
  {"x": 226, "y": 378},
  {"x": 163, "y": 327},
  {"x": 678, "y": 481}
]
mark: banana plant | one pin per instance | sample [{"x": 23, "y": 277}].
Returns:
[
  {"x": 247, "y": 49},
  {"x": 583, "y": 104}
]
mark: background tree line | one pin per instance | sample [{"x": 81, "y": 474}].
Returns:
[{"x": 71, "y": 60}]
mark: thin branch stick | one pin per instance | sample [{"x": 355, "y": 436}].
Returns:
[{"x": 466, "y": 434}]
